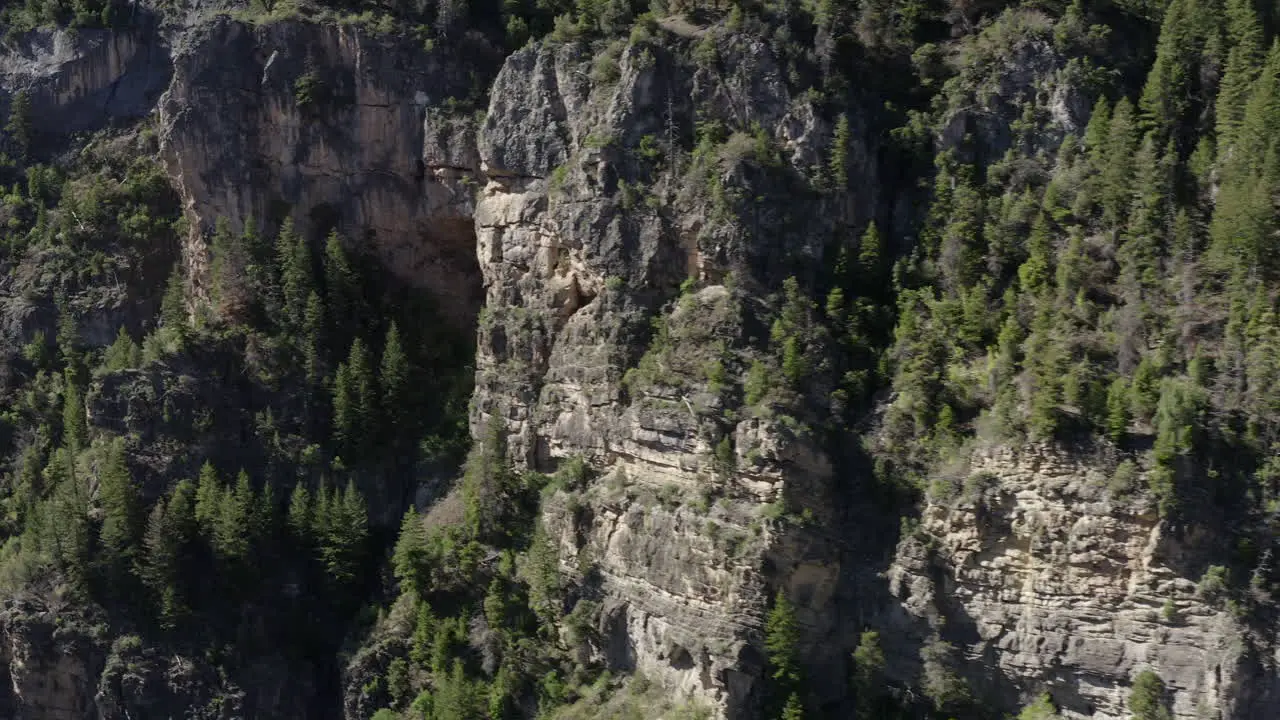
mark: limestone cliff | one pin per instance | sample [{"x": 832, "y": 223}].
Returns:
[
  {"x": 583, "y": 243},
  {"x": 1046, "y": 572},
  {"x": 618, "y": 235},
  {"x": 343, "y": 129}
]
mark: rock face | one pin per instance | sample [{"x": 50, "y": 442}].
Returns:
[
  {"x": 583, "y": 243},
  {"x": 50, "y": 670},
  {"x": 1041, "y": 577},
  {"x": 573, "y": 213},
  {"x": 86, "y": 80},
  {"x": 341, "y": 131}
]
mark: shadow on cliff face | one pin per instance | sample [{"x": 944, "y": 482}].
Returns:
[
  {"x": 83, "y": 80},
  {"x": 335, "y": 128}
]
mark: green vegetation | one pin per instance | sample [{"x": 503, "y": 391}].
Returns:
[
  {"x": 1146, "y": 699},
  {"x": 1108, "y": 283}
]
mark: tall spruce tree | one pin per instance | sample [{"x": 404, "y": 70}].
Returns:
[
  {"x": 395, "y": 380},
  {"x": 121, "y": 522}
]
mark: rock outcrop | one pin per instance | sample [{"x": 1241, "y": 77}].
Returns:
[
  {"x": 86, "y": 80},
  {"x": 1050, "y": 582},
  {"x": 584, "y": 238},
  {"x": 339, "y": 129},
  {"x": 616, "y": 234}
]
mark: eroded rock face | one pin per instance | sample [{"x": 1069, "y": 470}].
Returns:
[
  {"x": 339, "y": 129},
  {"x": 582, "y": 243},
  {"x": 88, "y": 79},
  {"x": 50, "y": 668},
  {"x": 1041, "y": 577}
]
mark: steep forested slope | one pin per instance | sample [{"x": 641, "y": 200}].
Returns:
[{"x": 455, "y": 360}]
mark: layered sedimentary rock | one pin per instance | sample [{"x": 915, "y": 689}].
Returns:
[
  {"x": 582, "y": 243},
  {"x": 573, "y": 211},
  {"x": 1049, "y": 580}
]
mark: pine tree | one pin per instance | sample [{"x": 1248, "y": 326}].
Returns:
[
  {"x": 1097, "y": 132},
  {"x": 1243, "y": 62},
  {"x": 231, "y": 292},
  {"x": 1041, "y": 709},
  {"x": 1035, "y": 273},
  {"x": 346, "y": 411},
  {"x": 839, "y": 163},
  {"x": 173, "y": 307},
  {"x": 170, "y": 529},
  {"x": 342, "y": 293},
  {"x": 208, "y": 500},
  {"x": 782, "y": 636},
  {"x": 1045, "y": 366},
  {"x": 123, "y": 354},
  {"x": 868, "y": 666},
  {"x": 20, "y": 126},
  {"x": 67, "y": 529},
  {"x": 74, "y": 425},
  {"x": 410, "y": 557},
  {"x": 1118, "y": 409},
  {"x": 346, "y": 535},
  {"x": 870, "y": 252},
  {"x": 296, "y": 282},
  {"x": 959, "y": 254},
  {"x": 360, "y": 369},
  {"x": 313, "y": 338},
  {"x": 120, "y": 507},
  {"x": 230, "y": 541},
  {"x": 300, "y": 514},
  {"x": 1164, "y": 98},
  {"x": 355, "y": 402},
  {"x": 1261, "y": 120},
  {"x": 397, "y": 389},
  {"x": 1117, "y": 170},
  {"x": 160, "y": 553}
]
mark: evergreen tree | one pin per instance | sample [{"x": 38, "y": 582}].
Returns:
[
  {"x": 20, "y": 127},
  {"x": 410, "y": 558},
  {"x": 840, "y": 143},
  {"x": 346, "y": 535},
  {"x": 868, "y": 667},
  {"x": 360, "y": 365},
  {"x": 208, "y": 504},
  {"x": 870, "y": 251},
  {"x": 794, "y": 709},
  {"x": 1261, "y": 119},
  {"x": 1097, "y": 132},
  {"x": 231, "y": 292},
  {"x": 1117, "y": 170},
  {"x": 782, "y": 636},
  {"x": 346, "y": 411},
  {"x": 300, "y": 514},
  {"x": 1041, "y": 709},
  {"x": 173, "y": 307},
  {"x": 170, "y": 528},
  {"x": 66, "y": 522},
  {"x": 1164, "y": 98},
  {"x": 123, "y": 354},
  {"x": 296, "y": 283},
  {"x": 355, "y": 403},
  {"x": 397, "y": 388},
  {"x": 1244, "y": 59},
  {"x": 120, "y": 508},
  {"x": 230, "y": 540},
  {"x": 343, "y": 295},
  {"x": 313, "y": 338},
  {"x": 74, "y": 425}
]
